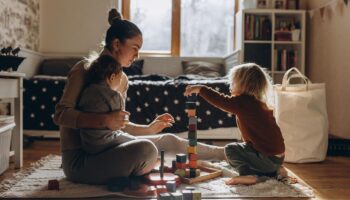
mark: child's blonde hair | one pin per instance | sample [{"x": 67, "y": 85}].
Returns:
[{"x": 251, "y": 79}]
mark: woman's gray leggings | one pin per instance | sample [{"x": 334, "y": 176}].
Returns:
[{"x": 136, "y": 157}]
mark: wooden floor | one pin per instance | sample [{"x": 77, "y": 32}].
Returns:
[{"x": 330, "y": 179}]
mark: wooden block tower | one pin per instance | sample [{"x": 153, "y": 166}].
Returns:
[
  {"x": 192, "y": 171},
  {"x": 189, "y": 170}
]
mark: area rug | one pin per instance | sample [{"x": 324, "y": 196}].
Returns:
[{"x": 32, "y": 183}]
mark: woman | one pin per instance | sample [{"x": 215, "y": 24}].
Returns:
[{"x": 123, "y": 42}]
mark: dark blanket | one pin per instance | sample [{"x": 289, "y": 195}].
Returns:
[{"x": 148, "y": 96}]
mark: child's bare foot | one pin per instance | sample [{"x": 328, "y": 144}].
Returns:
[
  {"x": 283, "y": 176},
  {"x": 245, "y": 180},
  {"x": 282, "y": 172}
]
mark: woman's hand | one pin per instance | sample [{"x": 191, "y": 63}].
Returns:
[
  {"x": 117, "y": 120},
  {"x": 159, "y": 123},
  {"x": 193, "y": 89}
]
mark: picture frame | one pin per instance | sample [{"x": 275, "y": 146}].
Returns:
[
  {"x": 280, "y": 4},
  {"x": 292, "y": 4}
]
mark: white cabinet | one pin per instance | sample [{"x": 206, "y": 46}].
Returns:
[
  {"x": 11, "y": 88},
  {"x": 272, "y": 38}
]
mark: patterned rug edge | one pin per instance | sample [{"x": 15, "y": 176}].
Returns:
[{"x": 18, "y": 176}]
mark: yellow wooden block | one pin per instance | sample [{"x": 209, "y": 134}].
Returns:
[
  {"x": 191, "y": 149},
  {"x": 196, "y": 195}
]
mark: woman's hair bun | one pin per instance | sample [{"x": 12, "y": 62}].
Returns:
[{"x": 113, "y": 14}]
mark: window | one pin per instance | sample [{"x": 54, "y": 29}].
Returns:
[
  {"x": 206, "y": 27},
  {"x": 154, "y": 23},
  {"x": 183, "y": 27}
]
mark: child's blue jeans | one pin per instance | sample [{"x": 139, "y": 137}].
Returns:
[{"x": 248, "y": 161}]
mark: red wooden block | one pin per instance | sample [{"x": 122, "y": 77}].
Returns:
[
  {"x": 192, "y": 127},
  {"x": 180, "y": 165},
  {"x": 53, "y": 185},
  {"x": 192, "y": 164},
  {"x": 192, "y": 156}
]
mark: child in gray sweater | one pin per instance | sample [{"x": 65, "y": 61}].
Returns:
[{"x": 101, "y": 96}]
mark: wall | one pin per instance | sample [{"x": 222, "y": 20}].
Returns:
[
  {"x": 19, "y": 24},
  {"x": 73, "y": 27},
  {"x": 328, "y": 61},
  {"x": 19, "y": 27}
]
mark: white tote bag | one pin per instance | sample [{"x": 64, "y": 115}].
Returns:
[{"x": 300, "y": 111}]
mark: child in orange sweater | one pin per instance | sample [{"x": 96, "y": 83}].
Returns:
[{"x": 261, "y": 153}]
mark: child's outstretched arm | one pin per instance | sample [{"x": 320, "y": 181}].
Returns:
[{"x": 221, "y": 101}]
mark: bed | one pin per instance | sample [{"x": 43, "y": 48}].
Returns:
[{"x": 148, "y": 96}]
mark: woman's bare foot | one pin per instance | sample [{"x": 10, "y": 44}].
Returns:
[{"x": 245, "y": 180}]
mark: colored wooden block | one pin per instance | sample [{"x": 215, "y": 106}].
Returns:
[
  {"x": 192, "y": 120},
  {"x": 196, "y": 195},
  {"x": 53, "y": 185},
  {"x": 165, "y": 196},
  {"x": 192, "y": 98},
  {"x": 181, "y": 158},
  {"x": 192, "y": 164},
  {"x": 176, "y": 196},
  {"x": 192, "y": 127},
  {"x": 192, "y": 149},
  {"x": 192, "y": 142},
  {"x": 180, "y": 165},
  {"x": 191, "y": 173},
  {"x": 191, "y": 112},
  {"x": 194, "y": 172},
  {"x": 192, "y": 135},
  {"x": 190, "y": 105},
  {"x": 171, "y": 186},
  {"x": 192, "y": 156},
  {"x": 187, "y": 194},
  {"x": 180, "y": 172}
]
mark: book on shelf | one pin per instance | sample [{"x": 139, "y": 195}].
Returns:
[
  {"x": 285, "y": 59},
  {"x": 257, "y": 27}
]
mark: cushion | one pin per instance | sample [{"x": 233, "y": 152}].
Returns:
[
  {"x": 134, "y": 69},
  {"x": 57, "y": 66},
  {"x": 203, "y": 68}
]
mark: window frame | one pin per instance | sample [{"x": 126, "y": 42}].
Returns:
[{"x": 175, "y": 28}]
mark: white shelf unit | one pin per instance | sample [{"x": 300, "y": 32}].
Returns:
[{"x": 265, "y": 48}]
